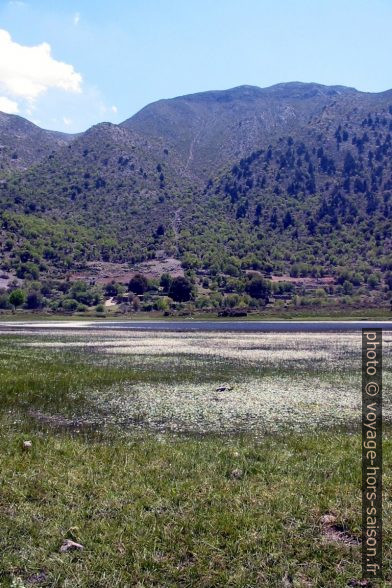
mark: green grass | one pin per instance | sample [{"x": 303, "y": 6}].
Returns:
[
  {"x": 164, "y": 512},
  {"x": 111, "y": 314},
  {"x": 159, "y": 509}
]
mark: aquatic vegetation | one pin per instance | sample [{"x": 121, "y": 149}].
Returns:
[{"x": 199, "y": 382}]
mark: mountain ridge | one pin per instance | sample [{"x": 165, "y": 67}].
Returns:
[
  {"x": 213, "y": 129},
  {"x": 23, "y": 143}
]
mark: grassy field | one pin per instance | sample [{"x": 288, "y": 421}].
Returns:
[
  {"x": 112, "y": 313},
  {"x": 184, "y": 460}
]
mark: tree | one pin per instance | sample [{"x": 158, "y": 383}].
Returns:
[
  {"x": 135, "y": 302},
  {"x": 372, "y": 281},
  {"x": 181, "y": 289},
  {"x": 17, "y": 297},
  {"x": 165, "y": 282},
  {"x": 388, "y": 280},
  {"x": 349, "y": 164},
  {"x": 4, "y": 300},
  {"x": 288, "y": 220},
  {"x": 160, "y": 231},
  {"x": 259, "y": 210},
  {"x": 274, "y": 219},
  {"x": 138, "y": 284},
  {"x": 347, "y": 287},
  {"x": 34, "y": 300},
  {"x": 258, "y": 288}
]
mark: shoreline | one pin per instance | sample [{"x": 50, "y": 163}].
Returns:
[{"x": 197, "y": 325}]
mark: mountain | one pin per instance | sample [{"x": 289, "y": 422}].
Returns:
[
  {"x": 212, "y": 129},
  {"x": 110, "y": 194},
  {"x": 23, "y": 143},
  {"x": 292, "y": 179}
]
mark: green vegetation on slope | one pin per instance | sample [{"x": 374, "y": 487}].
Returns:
[{"x": 311, "y": 196}]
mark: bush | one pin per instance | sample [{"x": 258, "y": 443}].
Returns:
[
  {"x": 162, "y": 303},
  {"x": 231, "y": 301},
  {"x": 28, "y": 271},
  {"x": 84, "y": 294},
  {"x": 69, "y": 304},
  {"x": 233, "y": 312},
  {"x": 114, "y": 289}
]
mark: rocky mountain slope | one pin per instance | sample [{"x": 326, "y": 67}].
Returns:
[
  {"x": 23, "y": 143},
  {"x": 212, "y": 129}
]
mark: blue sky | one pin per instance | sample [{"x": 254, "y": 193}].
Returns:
[{"x": 106, "y": 60}]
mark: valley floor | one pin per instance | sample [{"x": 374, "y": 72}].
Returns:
[
  {"x": 112, "y": 313},
  {"x": 184, "y": 459}
]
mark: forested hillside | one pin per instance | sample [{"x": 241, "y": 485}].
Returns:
[
  {"x": 322, "y": 199},
  {"x": 292, "y": 181}
]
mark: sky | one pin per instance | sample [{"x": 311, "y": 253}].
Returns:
[{"x": 68, "y": 64}]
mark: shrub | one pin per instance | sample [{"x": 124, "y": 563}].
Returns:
[
  {"x": 162, "y": 303},
  {"x": 114, "y": 289},
  {"x": 69, "y": 304},
  {"x": 28, "y": 270},
  {"x": 84, "y": 294}
]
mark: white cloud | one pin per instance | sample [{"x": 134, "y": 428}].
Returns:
[
  {"x": 27, "y": 72},
  {"x": 76, "y": 18},
  {"x": 8, "y": 106},
  {"x": 67, "y": 121},
  {"x": 114, "y": 109}
]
